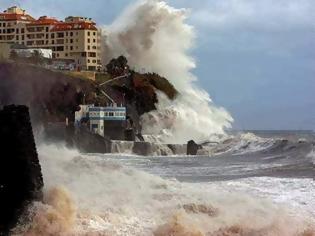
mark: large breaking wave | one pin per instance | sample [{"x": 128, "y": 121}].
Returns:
[
  {"x": 155, "y": 38},
  {"x": 87, "y": 195}
]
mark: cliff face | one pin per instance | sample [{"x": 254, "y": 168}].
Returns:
[{"x": 53, "y": 96}]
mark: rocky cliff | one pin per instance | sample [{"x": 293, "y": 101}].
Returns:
[{"x": 53, "y": 96}]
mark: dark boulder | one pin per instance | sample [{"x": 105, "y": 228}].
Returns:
[
  {"x": 21, "y": 180},
  {"x": 192, "y": 147}
]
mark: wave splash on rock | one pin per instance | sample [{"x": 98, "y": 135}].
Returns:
[{"x": 155, "y": 37}]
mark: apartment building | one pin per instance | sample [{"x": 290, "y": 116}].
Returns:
[{"x": 76, "y": 39}]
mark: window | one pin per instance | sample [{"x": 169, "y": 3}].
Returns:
[
  {"x": 66, "y": 54},
  {"x": 92, "y": 54},
  {"x": 17, "y": 31},
  {"x": 17, "y": 37},
  {"x": 94, "y": 126},
  {"x": 71, "y": 33},
  {"x": 52, "y": 35},
  {"x": 94, "y": 33},
  {"x": 71, "y": 48},
  {"x": 88, "y": 33},
  {"x": 111, "y": 113},
  {"x": 60, "y": 48},
  {"x": 52, "y": 41},
  {"x": 88, "y": 40},
  {"x": 88, "y": 47},
  {"x": 66, "y": 33},
  {"x": 94, "y": 40},
  {"x": 46, "y": 29},
  {"x": 71, "y": 40},
  {"x": 22, "y": 31}
]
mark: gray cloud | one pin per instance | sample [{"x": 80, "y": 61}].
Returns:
[{"x": 266, "y": 15}]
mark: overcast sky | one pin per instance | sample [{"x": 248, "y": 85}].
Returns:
[{"x": 256, "y": 58}]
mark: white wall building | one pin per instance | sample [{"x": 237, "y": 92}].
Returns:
[{"x": 98, "y": 116}]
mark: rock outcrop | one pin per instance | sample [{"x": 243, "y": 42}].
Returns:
[
  {"x": 20, "y": 173},
  {"x": 192, "y": 147}
]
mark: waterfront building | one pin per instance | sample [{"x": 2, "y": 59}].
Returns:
[{"x": 107, "y": 121}]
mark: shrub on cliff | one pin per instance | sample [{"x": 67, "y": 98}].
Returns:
[{"x": 117, "y": 66}]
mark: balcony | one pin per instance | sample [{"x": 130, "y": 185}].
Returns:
[
  {"x": 40, "y": 42},
  {"x": 30, "y": 36},
  {"x": 60, "y": 41},
  {"x": 30, "y": 43},
  {"x": 39, "y": 36}
]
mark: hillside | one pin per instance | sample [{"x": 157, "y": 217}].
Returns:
[{"x": 53, "y": 96}]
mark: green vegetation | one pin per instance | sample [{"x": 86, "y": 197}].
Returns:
[
  {"x": 149, "y": 81},
  {"x": 158, "y": 82}
]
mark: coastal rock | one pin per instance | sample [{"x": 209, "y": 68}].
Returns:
[
  {"x": 192, "y": 147},
  {"x": 20, "y": 173}
]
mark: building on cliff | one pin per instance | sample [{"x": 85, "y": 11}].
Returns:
[
  {"x": 75, "y": 38},
  {"x": 109, "y": 121}
]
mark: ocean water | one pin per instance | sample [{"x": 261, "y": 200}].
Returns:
[{"x": 249, "y": 185}]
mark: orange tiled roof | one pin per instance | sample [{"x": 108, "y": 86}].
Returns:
[
  {"x": 13, "y": 16},
  {"x": 64, "y": 26},
  {"x": 44, "y": 20}
]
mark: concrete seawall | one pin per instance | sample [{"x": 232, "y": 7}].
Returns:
[{"x": 21, "y": 180}]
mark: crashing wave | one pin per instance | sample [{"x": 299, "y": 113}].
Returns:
[
  {"x": 155, "y": 38},
  {"x": 105, "y": 198},
  {"x": 243, "y": 143}
]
